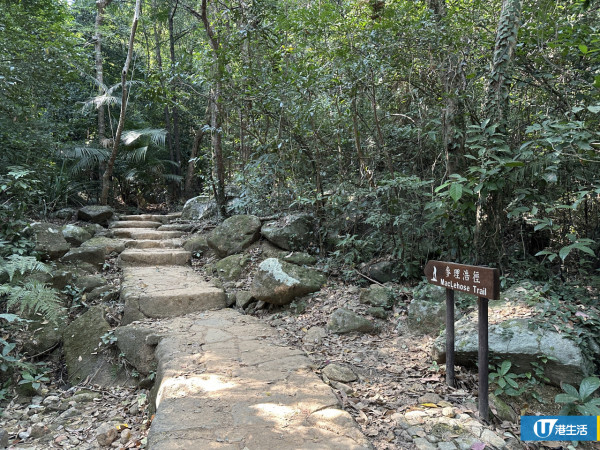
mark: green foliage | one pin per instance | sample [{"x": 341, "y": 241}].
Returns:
[
  {"x": 25, "y": 294},
  {"x": 506, "y": 381},
  {"x": 580, "y": 401}
]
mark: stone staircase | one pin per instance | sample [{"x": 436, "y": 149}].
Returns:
[{"x": 222, "y": 382}]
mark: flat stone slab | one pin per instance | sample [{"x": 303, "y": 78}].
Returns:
[
  {"x": 141, "y": 233},
  {"x": 152, "y": 217},
  {"x": 149, "y": 243},
  {"x": 223, "y": 382},
  {"x": 187, "y": 227},
  {"x": 154, "y": 257},
  {"x": 168, "y": 291},
  {"x": 135, "y": 224}
]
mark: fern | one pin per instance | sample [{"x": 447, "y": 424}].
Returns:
[
  {"x": 20, "y": 265},
  {"x": 29, "y": 296},
  {"x": 156, "y": 135}
]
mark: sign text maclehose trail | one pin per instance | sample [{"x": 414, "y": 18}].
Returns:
[{"x": 475, "y": 280}]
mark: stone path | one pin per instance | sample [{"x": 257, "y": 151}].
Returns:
[{"x": 222, "y": 382}]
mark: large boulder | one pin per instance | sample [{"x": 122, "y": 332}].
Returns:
[
  {"x": 522, "y": 341},
  {"x": 293, "y": 232},
  {"x": 43, "y": 336},
  {"x": 196, "y": 243},
  {"x": 199, "y": 208},
  {"x": 378, "y": 296},
  {"x": 234, "y": 235},
  {"x": 382, "y": 271},
  {"x": 75, "y": 235},
  {"x": 229, "y": 268},
  {"x": 96, "y": 214},
  {"x": 90, "y": 255},
  {"x": 427, "y": 310},
  {"x": 345, "y": 321},
  {"x": 49, "y": 240},
  {"x": 278, "y": 282},
  {"x": 85, "y": 353}
]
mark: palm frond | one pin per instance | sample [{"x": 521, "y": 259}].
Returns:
[
  {"x": 173, "y": 178},
  {"x": 87, "y": 157},
  {"x": 136, "y": 155},
  {"x": 156, "y": 135}
]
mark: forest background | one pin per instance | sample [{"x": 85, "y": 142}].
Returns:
[{"x": 459, "y": 130}]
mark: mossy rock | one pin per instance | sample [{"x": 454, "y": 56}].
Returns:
[{"x": 229, "y": 268}]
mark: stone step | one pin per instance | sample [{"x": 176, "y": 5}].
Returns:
[
  {"x": 154, "y": 257},
  {"x": 151, "y": 217},
  {"x": 224, "y": 382},
  {"x": 166, "y": 291},
  {"x": 148, "y": 243},
  {"x": 173, "y": 216},
  {"x": 135, "y": 224},
  {"x": 140, "y": 233},
  {"x": 187, "y": 227}
]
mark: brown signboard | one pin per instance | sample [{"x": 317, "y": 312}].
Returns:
[{"x": 480, "y": 281}]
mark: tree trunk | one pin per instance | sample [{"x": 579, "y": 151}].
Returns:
[
  {"x": 498, "y": 87},
  {"x": 106, "y": 178},
  {"x": 175, "y": 110},
  {"x": 101, "y": 6},
  {"x": 189, "y": 178}
]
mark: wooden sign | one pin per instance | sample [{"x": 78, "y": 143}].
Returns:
[{"x": 480, "y": 281}]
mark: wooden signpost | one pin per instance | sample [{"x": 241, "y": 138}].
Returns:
[{"x": 483, "y": 282}]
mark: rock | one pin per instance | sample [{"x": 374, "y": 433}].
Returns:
[
  {"x": 314, "y": 336},
  {"x": 234, "y": 235},
  {"x": 299, "y": 258},
  {"x": 230, "y": 300},
  {"x": 88, "y": 283},
  {"x": 52, "y": 401},
  {"x": 376, "y": 296},
  {"x": 49, "y": 240},
  {"x": 522, "y": 341},
  {"x": 58, "y": 278},
  {"x": 503, "y": 410},
  {"x": 293, "y": 232},
  {"x": 424, "y": 444},
  {"x": 523, "y": 292},
  {"x": 137, "y": 345},
  {"x": 278, "y": 282},
  {"x": 96, "y": 214},
  {"x": 378, "y": 312},
  {"x": 38, "y": 430},
  {"x": 75, "y": 235},
  {"x": 199, "y": 208},
  {"x": 3, "y": 438},
  {"x": 383, "y": 271},
  {"x": 43, "y": 336},
  {"x": 95, "y": 229},
  {"x": 106, "y": 434},
  {"x": 489, "y": 437},
  {"x": 107, "y": 293},
  {"x": 109, "y": 245},
  {"x": 196, "y": 243},
  {"x": 65, "y": 213},
  {"x": 345, "y": 321},
  {"x": 125, "y": 436},
  {"x": 229, "y": 268},
  {"x": 85, "y": 397},
  {"x": 430, "y": 397},
  {"x": 82, "y": 345},
  {"x": 427, "y": 310},
  {"x": 337, "y": 372},
  {"x": 90, "y": 255},
  {"x": 243, "y": 299}
]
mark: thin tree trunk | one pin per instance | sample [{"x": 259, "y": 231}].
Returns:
[
  {"x": 175, "y": 110},
  {"x": 106, "y": 178},
  {"x": 362, "y": 167},
  {"x": 101, "y": 6},
  {"x": 189, "y": 178}
]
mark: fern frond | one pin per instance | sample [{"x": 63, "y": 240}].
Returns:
[
  {"x": 88, "y": 157},
  {"x": 156, "y": 135},
  {"x": 173, "y": 178},
  {"x": 22, "y": 265},
  {"x": 33, "y": 297}
]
